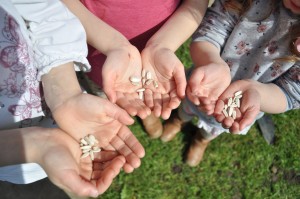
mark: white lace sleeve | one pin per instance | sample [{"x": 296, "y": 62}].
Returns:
[{"x": 56, "y": 34}]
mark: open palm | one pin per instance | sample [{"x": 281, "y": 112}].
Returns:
[
  {"x": 80, "y": 176},
  {"x": 168, "y": 71},
  {"x": 119, "y": 66}
]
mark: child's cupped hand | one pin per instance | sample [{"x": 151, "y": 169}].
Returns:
[
  {"x": 168, "y": 72},
  {"x": 206, "y": 84},
  {"x": 85, "y": 114},
  {"x": 121, "y": 64},
  {"x": 249, "y": 106}
]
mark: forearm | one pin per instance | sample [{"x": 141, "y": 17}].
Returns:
[
  {"x": 21, "y": 145},
  {"x": 180, "y": 26},
  {"x": 59, "y": 85},
  {"x": 273, "y": 99},
  {"x": 99, "y": 34},
  {"x": 204, "y": 53}
]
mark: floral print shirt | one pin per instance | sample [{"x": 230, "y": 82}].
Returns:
[{"x": 253, "y": 43}]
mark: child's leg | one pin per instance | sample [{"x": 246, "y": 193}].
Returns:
[
  {"x": 153, "y": 126},
  {"x": 177, "y": 120}
]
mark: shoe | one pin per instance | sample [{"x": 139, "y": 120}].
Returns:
[
  {"x": 197, "y": 149},
  {"x": 153, "y": 126},
  {"x": 172, "y": 127}
]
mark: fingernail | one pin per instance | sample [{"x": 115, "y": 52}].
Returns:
[{"x": 94, "y": 193}]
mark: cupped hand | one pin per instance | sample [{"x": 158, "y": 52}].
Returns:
[
  {"x": 249, "y": 106},
  {"x": 120, "y": 65},
  {"x": 60, "y": 157},
  {"x": 85, "y": 114},
  {"x": 168, "y": 72},
  {"x": 206, "y": 84}
]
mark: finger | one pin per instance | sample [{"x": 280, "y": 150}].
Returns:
[
  {"x": 205, "y": 100},
  {"x": 219, "y": 117},
  {"x": 149, "y": 101},
  {"x": 166, "y": 111},
  {"x": 123, "y": 149},
  {"x": 248, "y": 118},
  {"x": 174, "y": 100},
  {"x": 143, "y": 110},
  {"x": 208, "y": 109},
  {"x": 104, "y": 156},
  {"x": 128, "y": 168},
  {"x": 125, "y": 102},
  {"x": 108, "y": 84},
  {"x": 192, "y": 97},
  {"x": 131, "y": 141},
  {"x": 113, "y": 111},
  {"x": 219, "y": 107},
  {"x": 180, "y": 80},
  {"x": 109, "y": 174},
  {"x": 234, "y": 129},
  {"x": 195, "y": 82},
  {"x": 227, "y": 122},
  {"x": 157, "y": 104}
]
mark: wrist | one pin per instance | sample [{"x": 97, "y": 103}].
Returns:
[
  {"x": 22, "y": 145},
  {"x": 35, "y": 143},
  {"x": 59, "y": 85},
  {"x": 123, "y": 45}
]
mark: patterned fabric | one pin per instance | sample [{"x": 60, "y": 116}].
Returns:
[
  {"x": 19, "y": 88},
  {"x": 251, "y": 44},
  {"x": 27, "y": 51}
]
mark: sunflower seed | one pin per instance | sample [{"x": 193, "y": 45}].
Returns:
[
  {"x": 140, "y": 90},
  {"x": 232, "y": 103},
  {"x": 144, "y": 73},
  {"x": 89, "y": 148},
  {"x": 148, "y": 81},
  {"x": 148, "y": 75},
  {"x": 135, "y": 79}
]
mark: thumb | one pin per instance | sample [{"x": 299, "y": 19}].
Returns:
[
  {"x": 180, "y": 80},
  {"x": 117, "y": 113},
  {"x": 195, "y": 82},
  {"x": 108, "y": 88}
]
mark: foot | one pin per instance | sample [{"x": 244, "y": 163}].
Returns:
[
  {"x": 172, "y": 127},
  {"x": 197, "y": 149},
  {"x": 153, "y": 126}
]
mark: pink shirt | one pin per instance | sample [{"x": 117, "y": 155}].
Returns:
[{"x": 137, "y": 20}]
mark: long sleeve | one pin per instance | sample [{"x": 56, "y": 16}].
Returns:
[
  {"x": 57, "y": 35},
  {"x": 216, "y": 26},
  {"x": 290, "y": 85}
]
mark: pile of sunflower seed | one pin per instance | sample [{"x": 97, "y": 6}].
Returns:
[
  {"x": 146, "y": 79},
  {"x": 88, "y": 146},
  {"x": 232, "y": 103}
]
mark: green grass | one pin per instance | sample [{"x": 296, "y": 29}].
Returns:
[{"x": 234, "y": 167}]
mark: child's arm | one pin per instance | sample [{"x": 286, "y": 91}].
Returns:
[
  {"x": 277, "y": 97},
  {"x": 159, "y": 57},
  {"x": 59, "y": 155},
  {"x": 123, "y": 60},
  {"x": 210, "y": 75}
]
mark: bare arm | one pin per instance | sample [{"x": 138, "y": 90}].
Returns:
[
  {"x": 180, "y": 26},
  {"x": 20, "y": 145},
  {"x": 99, "y": 34},
  {"x": 272, "y": 98},
  {"x": 59, "y": 85},
  {"x": 204, "y": 53}
]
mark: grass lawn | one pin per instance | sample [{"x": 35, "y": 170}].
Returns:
[{"x": 234, "y": 166}]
